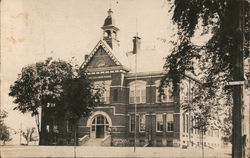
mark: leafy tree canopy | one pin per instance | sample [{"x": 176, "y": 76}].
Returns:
[
  {"x": 214, "y": 63},
  {"x": 215, "y": 58},
  {"x": 40, "y": 84},
  {"x": 53, "y": 84},
  {"x": 4, "y": 130},
  {"x": 79, "y": 97}
]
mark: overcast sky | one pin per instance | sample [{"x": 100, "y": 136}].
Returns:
[{"x": 33, "y": 30}]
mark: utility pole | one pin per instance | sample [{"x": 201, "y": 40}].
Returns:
[
  {"x": 135, "y": 102},
  {"x": 189, "y": 113},
  {"x": 238, "y": 75},
  {"x": 75, "y": 143},
  {"x": 21, "y": 134},
  {"x": 136, "y": 52}
]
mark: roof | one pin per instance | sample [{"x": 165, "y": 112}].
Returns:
[
  {"x": 109, "y": 21},
  {"x": 148, "y": 60},
  {"x": 116, "y": 55}
]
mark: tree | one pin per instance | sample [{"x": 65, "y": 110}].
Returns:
[
  {"x": 227, "y": 130},
  {"x": 207, "y": 111},
  {"x": 220, "y": 59},
  {"x": 40, "y": 84},
  {"x": 52, "y": 83},
  {"x": 29, "y": 134},
  {"x": 4, "y": 130},
  {"x": 79, "y": 97}
]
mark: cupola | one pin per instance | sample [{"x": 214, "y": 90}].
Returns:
[{"x": 110, "y": 30}]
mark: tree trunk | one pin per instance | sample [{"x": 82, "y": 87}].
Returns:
[
  {"x": 42, "y": 133},
  {"x": 202, "y": 143},
  {"x": 237, "y": 63},
  {"x": 38, "y": 127},
  {"x": 75, "y": 137},
  {"x": 76, "y": 132}
]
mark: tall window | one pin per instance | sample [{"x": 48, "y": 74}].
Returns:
[
  {"x": 105, "y": 87},
  {"x": 131, "y": 123},
  {"x": 47, "y": 129},
  {"x": 142, "y": 123},
  {"x": 192, "y": 124},
  {"x": 137, "y": 92},
  {"x": 55, "y": 126},
  {"x": 170, "y": 122},
  {"x": 185, "y": 123},
  {"x": 159, "y": 123},
  {"x": 167, "y": 95},
  {"x": 196, "y": 131},
  {"x": 184, "y": 92},
  {"x": 69, "y": 126}
]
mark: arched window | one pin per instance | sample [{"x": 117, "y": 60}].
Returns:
[
  {"x": 100, "y": 120},
  {"x": 137, "y": 92},
  {"x": 107, "y": 34},
  {"x": 167, "y": 96}
]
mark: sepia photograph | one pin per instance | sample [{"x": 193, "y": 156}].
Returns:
[{"x": 125, "y": 78}]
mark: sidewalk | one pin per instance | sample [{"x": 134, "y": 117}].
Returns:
[{"x": 123, "y": 152}]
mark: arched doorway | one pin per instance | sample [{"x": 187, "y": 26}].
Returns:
[{"x": 99, "y": 126}]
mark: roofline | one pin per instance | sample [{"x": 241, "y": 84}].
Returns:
[
  {"x": 110, "y": 26},
  {"x": 107, "y": 68},
  {"x": 145, "y": 74},
  {"x": 105, "y": 46}
]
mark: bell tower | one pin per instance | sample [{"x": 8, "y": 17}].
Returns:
[{"x": 110, "y": 31}]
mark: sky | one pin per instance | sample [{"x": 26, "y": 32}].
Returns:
[{"x": 33, "y": 30}]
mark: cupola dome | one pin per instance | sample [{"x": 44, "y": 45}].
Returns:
[{"x": 109, "y": 20}]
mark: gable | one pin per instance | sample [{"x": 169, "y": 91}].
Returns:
[
  {"x": 101, "y": 59},
  {"x": 106, "y": 57}
]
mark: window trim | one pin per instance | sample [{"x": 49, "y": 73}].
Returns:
[
  {"x": 140, "y": 122},
  {"x": 165, "y": 89},
  {"x": 157, "y": 123},
  {"x": 55, "y": 126},
  {"x": 106, "y": 93},
  {"x": 172, "y": 122},
  {"x": 130, "y": 118},
  {"x": 184, "y": 92},
  {"x": 47, "y": 128},
  {"x": 135, "y": 86},
  {"x": 169, "y": 122}
]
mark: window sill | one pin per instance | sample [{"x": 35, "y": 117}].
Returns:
[
  {"x": 159, "y": 131},
  {"x": 137, "y": 103},
  {"x": 165, "y": 102}
]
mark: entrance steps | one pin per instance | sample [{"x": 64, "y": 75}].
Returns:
[{"x": 93, "y": 142}]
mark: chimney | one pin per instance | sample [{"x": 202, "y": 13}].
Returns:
[
  {"x": 86, "y": 57},
  {"x": 136, "y": 44}
]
